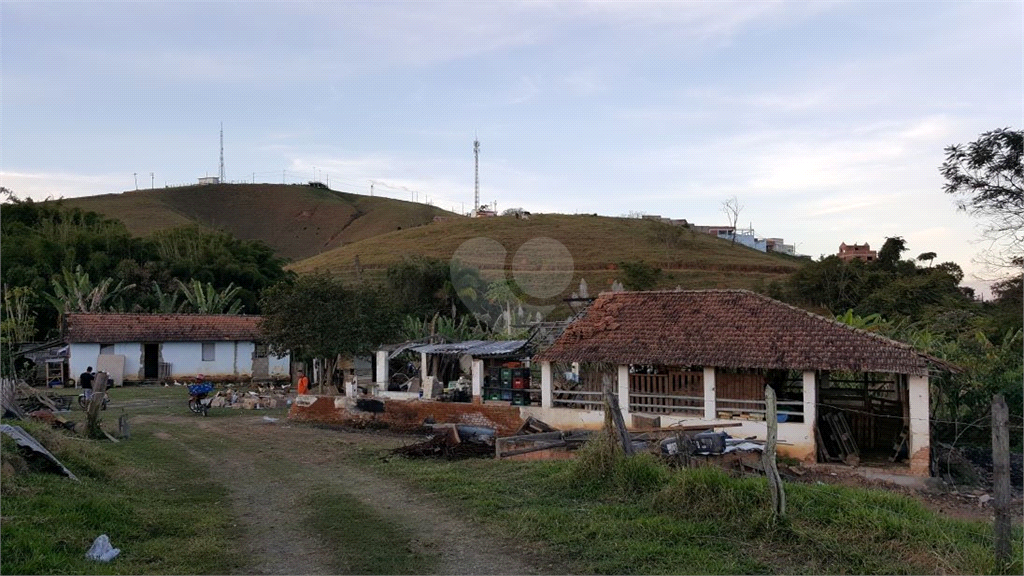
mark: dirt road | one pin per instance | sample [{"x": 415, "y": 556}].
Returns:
[{"x": 269, "y": 468}]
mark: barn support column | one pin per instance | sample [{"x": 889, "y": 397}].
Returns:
[
  {"x": 710, "y": 402},
  {"x": 477, "y": 372},
  {"x": 920, "y": 441},
  {"x": 381, "y": 376},
  {"x": 624, "y": 392},
  {"x": 424, "y": 369},
  {"x": 810, "y": 411},
  {"x": 546, "y": 392}
]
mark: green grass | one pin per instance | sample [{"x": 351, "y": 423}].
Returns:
[
  {"x": 363, "y": 542},
  {"x": 641, "y": 518},
  {"x": 151, "y": 499},
  {"x": 596, "y": 245}
]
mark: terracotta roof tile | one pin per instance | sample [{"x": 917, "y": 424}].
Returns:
[
  {"x": 725, "y": 329},
  {"x": 113, "y": 328}
]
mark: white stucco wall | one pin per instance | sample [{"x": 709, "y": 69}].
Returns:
[
  {"x": 279, "y": 366},
  {"x": 230, "y": 359},
  {"x": 80, "y": 357}
]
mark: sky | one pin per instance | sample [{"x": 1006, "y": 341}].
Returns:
[{"x": 826, "y": 120}]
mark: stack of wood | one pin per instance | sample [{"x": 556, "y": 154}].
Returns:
[{"x": 835, "y": 440}]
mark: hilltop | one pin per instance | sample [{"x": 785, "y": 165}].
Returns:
[
  {"x": 297, "y": 221},
  {"x": 597, "y": 244}
]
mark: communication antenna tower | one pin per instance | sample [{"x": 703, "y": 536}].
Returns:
[
  {"x": 476, "y": 173},
  {"x": 222, "y": 152}
]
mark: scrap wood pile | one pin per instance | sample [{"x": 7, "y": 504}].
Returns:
[
  {"x": 19, "y": 399},
  {"x": 452, "y": 442},
  {"x": 535, "y": 436},
  {"x": 835, "y": 440}
]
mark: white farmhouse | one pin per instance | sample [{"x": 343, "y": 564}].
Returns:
[{"x": 150, "y": 347}]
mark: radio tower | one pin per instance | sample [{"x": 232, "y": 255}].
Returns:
[
  {"x": 222, "y": 152},
  {"x": 476, "y": 173}
]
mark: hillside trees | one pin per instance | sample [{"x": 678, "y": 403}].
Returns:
[
  {"x": 316, "y": 316},
  {"x": 987, "y": 178},
  {"x": 43, "y": 242}
]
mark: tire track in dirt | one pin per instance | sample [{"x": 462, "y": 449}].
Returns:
[{"x": 266, "y": 466}]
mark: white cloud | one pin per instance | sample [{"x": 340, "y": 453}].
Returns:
[{"x": 43, "y": 185}]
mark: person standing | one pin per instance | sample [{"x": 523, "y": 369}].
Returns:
[
  {"x": 86, "y": 381},
  {"x": 303, "y": 383}
]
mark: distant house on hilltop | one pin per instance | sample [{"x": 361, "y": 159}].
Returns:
[
  {"x": 861, "y": 252},
  {"x": 172, "y": 346}
]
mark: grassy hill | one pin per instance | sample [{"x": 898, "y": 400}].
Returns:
[
  {"x": 596, "y": 245},
  {"x": 297, "y": 221}
]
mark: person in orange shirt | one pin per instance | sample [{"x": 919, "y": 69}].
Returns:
[{"x": 303, "y": 383}]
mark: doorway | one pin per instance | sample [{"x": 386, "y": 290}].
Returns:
[{"x": 150, "y": 361}]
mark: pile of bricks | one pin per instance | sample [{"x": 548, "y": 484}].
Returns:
[{"x": 407, "y": 414}]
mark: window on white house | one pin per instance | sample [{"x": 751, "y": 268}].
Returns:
[
  {"x": 106, "y": 349},
  {"x": 208, "y": 351}
]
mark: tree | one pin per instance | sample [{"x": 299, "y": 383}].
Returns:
[
  {"x": 205, "y": 299},
  {"x": 987, "y": 178},
  {"x": 75, "y": 292},
  {"x": 639, "y": 275},
  {"x": 318, "y": 317},
  {"x": 732, "y": 210},
  {"x": 927, "y": 257},
  {"x": 504, "y": 294},
  {"x": 891, "y": 251}
]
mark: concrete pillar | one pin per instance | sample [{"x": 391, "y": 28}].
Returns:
[
  {"x": 381, "y": 377},
  {"x": 477, "y": 373},
  {"x": 811, "y": 410},
  {"x": 423, "y": 367},
  {"x": 546, "y": 386},
  {"x": 624, "y": 392},
  {"x": 710, "y": 401},
  {"x": 920, "y": 441}
]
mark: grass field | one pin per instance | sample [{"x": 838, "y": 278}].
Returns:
[
  {"x": 150, "y": 497},
  {"x": 641, "y": 518},
  {"x": 594, "y": 246},
  {"x": 297, "y": 221},
  {"x": 161, "y": 502}
]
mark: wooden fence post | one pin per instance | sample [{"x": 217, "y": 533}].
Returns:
[
  {"x": 611, "y": 408},
  {"x": 771, "y": 468},
  {"x": 1001, "y": 478}
]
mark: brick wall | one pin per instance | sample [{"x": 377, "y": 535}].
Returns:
[{"x": 410, "y": 414}]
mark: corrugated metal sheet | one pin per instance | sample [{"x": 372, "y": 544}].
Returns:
[{"x": 479, "y": 348}]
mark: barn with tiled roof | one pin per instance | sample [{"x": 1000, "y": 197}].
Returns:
[{"x": 706, "y": 355}]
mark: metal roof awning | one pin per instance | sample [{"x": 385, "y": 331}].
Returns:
[{"x": 478, "y": 348}]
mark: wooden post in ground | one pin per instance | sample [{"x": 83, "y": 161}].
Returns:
[
  {"x": 1001, "y": 478},
  {"x": 99, "y": 391},
  {"x": 613, "y": 416},
  {"x": 771, "y": 467}
]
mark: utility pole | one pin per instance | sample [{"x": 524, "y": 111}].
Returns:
[
  {"x": 371, "y": 187},
  {"x": 476, "y": 176},
  {"x": 222, "y": 152},
  {"x": 152, "y": 181},
  {"x": 136, "y": 176}
]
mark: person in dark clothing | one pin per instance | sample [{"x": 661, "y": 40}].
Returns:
[{"x": 86, "y": 382}]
